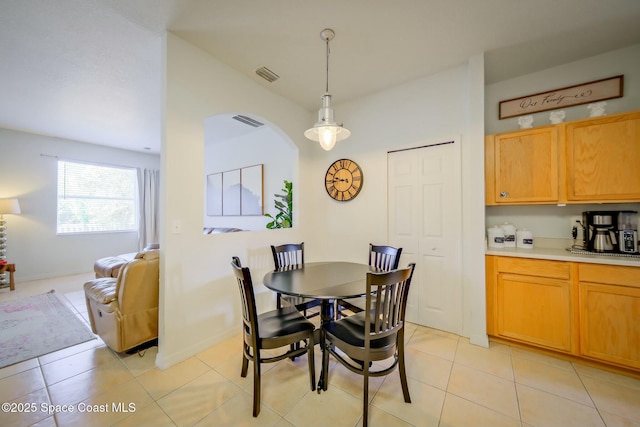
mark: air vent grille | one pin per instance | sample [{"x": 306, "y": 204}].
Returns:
[
  {"x": 248, "y": 121},
  {"x": 267, "y": 74}
]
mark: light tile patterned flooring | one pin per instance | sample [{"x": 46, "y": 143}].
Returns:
[{"x": 452, "y": 383}]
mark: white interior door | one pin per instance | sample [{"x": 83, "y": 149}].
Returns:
[{"x": 425, "y": 219}]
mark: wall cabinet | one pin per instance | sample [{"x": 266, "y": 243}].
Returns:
[
  {"x": 603, "y": 158},
  {"x": 610, "y": 314},
  {"x": 591, "y": 311},
  {"x": 585, "y": 161},
  {"x": 523, "y": 166}
]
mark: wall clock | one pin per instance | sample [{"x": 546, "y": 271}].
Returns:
[{"x": 343, "y": 180}]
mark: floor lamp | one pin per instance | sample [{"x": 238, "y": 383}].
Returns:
[{"x": 7, "y": 206}]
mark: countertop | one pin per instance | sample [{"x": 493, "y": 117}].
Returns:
[{"x": 561, "y": 254}]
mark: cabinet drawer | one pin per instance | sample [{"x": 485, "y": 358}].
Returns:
[
  {"x": 609, "y": 274},
  {"x": 535, "y": 267}
]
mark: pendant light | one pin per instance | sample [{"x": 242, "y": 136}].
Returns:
[{"x": 327, "y": 131}]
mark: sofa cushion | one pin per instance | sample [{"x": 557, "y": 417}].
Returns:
[
  {"x": 110, "y": 266},
  {"x": 102, "y": 291}
]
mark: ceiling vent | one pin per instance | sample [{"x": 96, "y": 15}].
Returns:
[
  {"x": 267, "y": 74},
  {"x": 248, "y": 121}
]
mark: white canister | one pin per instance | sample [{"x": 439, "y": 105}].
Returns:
[
  {"x": 509, "y": 235},
  {"x": 495, "y": 237},
  {"x": 524, "y": 239}
]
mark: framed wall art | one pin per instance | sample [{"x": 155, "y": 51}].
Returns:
[
  {"x": 214, "y": 194},
  {"x": 236, "y": 192},
  {"x": 251, "y": 190}
]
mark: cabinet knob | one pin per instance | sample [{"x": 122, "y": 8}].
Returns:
[{"x": 504, "y": 194}]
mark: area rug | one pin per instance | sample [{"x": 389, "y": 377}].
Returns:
[{"x": 37, "y": 325}]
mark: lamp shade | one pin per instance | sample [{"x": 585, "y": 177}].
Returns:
[
  {"x": 327, "y": 132},
  {"x": 9, "y": 206}
]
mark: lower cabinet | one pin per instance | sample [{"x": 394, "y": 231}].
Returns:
[
  {"x": 587, "y": 310},
  {"x": 610, "y": 314},
  {"x": 534, "y": 302}
]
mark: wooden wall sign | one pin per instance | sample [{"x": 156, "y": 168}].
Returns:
[{"x": 584, "y": 93}]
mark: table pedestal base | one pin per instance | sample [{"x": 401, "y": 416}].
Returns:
[{"x": 327, "y": 312}]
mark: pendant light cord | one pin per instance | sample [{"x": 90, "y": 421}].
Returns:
[{"x": 327, "y": 86}]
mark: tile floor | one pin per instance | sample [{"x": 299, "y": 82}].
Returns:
[{"x": 452, "y": 383}]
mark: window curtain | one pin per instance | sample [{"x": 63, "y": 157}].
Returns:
[{"x": 149, "y": 188}]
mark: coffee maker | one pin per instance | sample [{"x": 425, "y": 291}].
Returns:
[
  {"x": 600, "y": 231},
  {"x": 611, "y": 231},
  {"x": 628, "y": 231}
]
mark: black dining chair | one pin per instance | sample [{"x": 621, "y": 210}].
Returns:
[
  {"x": 375, "y": 334},
  {"x": 291, "y": 255},
  {"x": 381, "y": 258},
  {"x": 283, "y": 327}
]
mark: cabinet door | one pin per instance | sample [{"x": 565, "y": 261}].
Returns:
[
  {"x": 535, "y": 310},
  {"x": 610, "y": 323},
  {"x": 603, "y": 158},
  {"x": 526, "y": 166}
]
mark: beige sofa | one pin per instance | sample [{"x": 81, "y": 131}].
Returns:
[{"x": 123, "y": 310}]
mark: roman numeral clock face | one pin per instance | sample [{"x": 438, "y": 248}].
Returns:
[{"x": 343, "y": 180}]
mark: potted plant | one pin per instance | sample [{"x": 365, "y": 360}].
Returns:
[{"x": 284, "y": 206}]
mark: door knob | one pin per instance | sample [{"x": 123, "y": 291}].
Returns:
[{"x": 504, "y": 194}]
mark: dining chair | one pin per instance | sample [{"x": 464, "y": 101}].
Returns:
[
  {"x": 382, "y": 258},
  {"x": 282, "y": 327},
  {"x": 372, "y": 335},
  {"x": 291, "y": 255}
]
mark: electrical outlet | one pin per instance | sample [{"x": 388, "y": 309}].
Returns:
[{"x": 576, "y": 221}]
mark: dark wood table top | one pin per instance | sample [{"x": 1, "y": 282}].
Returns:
[{"x": 320, "y": 280}]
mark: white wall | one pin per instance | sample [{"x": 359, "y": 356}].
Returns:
[
  {"x": 437, "y": 108},
  {"x": 262, "y": 146},
  {"x": 554, "y": 221},
  {"x": 30, "y": 173},
  {"x": 199, "y": 302},
  {"x": 199, "y": 299},
  {"x": 622, "y": 61}
]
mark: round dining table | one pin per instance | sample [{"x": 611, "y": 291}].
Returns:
[{"x": 325, "y": 281}]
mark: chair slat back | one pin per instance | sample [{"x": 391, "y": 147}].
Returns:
[
  {"x": 245, "y": 285},
  {"x": 288, "y": 255},
  {"x": 384, "y": 258},
  {"x": 388, "y": 306}
]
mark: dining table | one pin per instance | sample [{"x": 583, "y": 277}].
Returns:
[{"x": 325, "y": 281}]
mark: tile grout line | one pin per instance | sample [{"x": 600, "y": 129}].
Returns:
[
  {"x": 515, "y": 387},
  {"x": 588, "y": 394}
]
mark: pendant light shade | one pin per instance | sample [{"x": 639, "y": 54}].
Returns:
[{"x": 327, "y": 131}]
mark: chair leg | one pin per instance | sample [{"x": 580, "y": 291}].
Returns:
[
  {"x": 365, "y": 410},
  {"x": 245, "y": 361},
  {"x": 312, "y": 363},
  {"x": 402, "y": 371},
  {"x": 256, "y": 385},
  {"x": 325, "y": 365}
]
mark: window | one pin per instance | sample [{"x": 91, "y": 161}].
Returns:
[{"x": 96, "y": 198}]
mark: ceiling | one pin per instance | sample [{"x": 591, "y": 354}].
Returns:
[{"x": 90, "y": 70}]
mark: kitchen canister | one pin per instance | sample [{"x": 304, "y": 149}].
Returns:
[
  {"x": 524, "y": 239},
  {"x": 495, "y": 237},
  {"x": 509, "y": 235}
]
